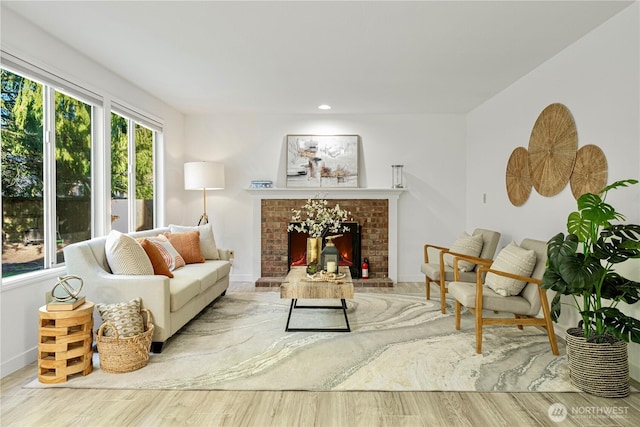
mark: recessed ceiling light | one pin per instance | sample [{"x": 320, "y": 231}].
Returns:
[{"x": 324, "y": 107}]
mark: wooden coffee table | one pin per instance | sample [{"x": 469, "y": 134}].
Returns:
[{"x": 297, "y": 286}]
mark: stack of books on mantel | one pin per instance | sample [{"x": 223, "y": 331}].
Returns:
[
  {"x": 261, "y": 184},
  {"x": 65, "y": 305}
]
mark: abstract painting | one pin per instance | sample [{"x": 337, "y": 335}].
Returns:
[{"x": 328, "y": 161}]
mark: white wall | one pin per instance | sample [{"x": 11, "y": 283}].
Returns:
[
  {"x": 19, "y": 302},
  {"x": 449, "y": 164},
  {"x": 431, "y": 148},
  {"x": 597, "y": 78}
]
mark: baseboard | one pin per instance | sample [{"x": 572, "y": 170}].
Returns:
[
  {"x": 249, "y": 278},
  {"x": 411, "y": 278},
  {"x": 18, "y": 362},
  {"x": 269, "y": 282},
  {"x": 241, "y": 278}
]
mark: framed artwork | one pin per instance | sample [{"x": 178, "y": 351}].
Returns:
[{"x": 329, "y": 161}]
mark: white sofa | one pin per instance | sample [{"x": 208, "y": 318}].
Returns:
[{"x": 172, "y": 302}]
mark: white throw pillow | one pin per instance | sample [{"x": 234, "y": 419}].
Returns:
[
  {"x": 171, "y": 256},
  {"x": 125, "y": 255},
  {"x": 466, "y": 245},
  {"x": 515, "y": 260},
  {"x": 207, "y": 240}
]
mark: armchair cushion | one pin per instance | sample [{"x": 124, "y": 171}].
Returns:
[
  {"x": 465, "y": 245},
  {"x": 433, "y": 272},
  {"x": 515, "y": 260},
  {"x": 466, "y": 294}
]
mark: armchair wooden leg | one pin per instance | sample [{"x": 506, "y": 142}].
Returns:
[
  {"x": 458, "y": 306},
  {"x": 552, "y": 338},
  {"x": 443, "y": 297},
  {"x": 428, "y": 283},
  {"x": 517, "y": 316},
  {"x": 549, "y": 324},
  {"x": 550, "y": 332},
  {"x": 478, "y": 313}
]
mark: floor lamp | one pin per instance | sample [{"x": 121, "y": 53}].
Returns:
[{"x": 203, "y": 176}]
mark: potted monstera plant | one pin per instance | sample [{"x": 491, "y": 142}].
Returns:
[{"x": 582, "y": 265}]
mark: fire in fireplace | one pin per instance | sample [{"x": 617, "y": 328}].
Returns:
[{"x": 348, "y": 248}]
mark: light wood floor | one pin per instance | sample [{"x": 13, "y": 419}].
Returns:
[{"x": 68, "y": 407}]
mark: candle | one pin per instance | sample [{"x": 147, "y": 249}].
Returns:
[{"x": 331, "y": 267}]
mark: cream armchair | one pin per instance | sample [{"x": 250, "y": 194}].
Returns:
[
  {"x": 436, "y": 270},
  {"x": 525, "y": 306}
]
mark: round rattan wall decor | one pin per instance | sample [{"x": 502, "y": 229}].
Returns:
[
  {"x": 552, "y": 149},
  {"x": 589, "y": 172},
  {"x": 517, "y": 177}
]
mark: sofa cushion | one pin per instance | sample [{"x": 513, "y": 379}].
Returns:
[
  {"x": 223, "y": 268},
  {"x": 125, "y": 317},
  {"x": 188, "y": 245},
  {"x": 207, "y": 239},
  {"x": 515, "y": 260},
  {"x": 171, "y": 256},
  {"x": 125, "y": 255},
  {"x": 205, "y": 273},
  {"x": 158, "y": 262},
  {"x": 182, "y": 289}
]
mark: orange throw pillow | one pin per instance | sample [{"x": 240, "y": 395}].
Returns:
[
  {"x": 188, "y": 245},
  {"x": 157, "y": 260}
]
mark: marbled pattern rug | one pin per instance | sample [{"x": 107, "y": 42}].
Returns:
[{"x": 399, "y": 342}]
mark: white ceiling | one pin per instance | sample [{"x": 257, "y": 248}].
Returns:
[{"x": 360, "y": 57}]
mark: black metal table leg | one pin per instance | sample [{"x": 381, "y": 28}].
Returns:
[
  {"x": 342, "y": 306},
  {"x": 344, "y": 310},
  {"x": 293, "y": 302}
]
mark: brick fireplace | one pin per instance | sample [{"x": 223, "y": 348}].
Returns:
[
  {"x": 375, "y": 210},
  {"x": 348, "y": 246}
]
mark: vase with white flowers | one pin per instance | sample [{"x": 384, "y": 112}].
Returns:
[{"x": 316, "y": 218}]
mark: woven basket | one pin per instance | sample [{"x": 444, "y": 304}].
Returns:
[
  {"x": 601, "y": 369},
  {"x": 118, "y": 355}
]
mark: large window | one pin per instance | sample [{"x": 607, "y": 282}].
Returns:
[
  {"x": 72, "y": 215},
  {"x": 51, "y": 139},
  {"x": 132, "y": 147},
  {"x": 22, "y": 175}
]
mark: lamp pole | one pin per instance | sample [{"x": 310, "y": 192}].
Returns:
[{"x": 204, "y": 219}]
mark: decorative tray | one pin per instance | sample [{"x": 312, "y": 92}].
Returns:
[{"x": 323, "y": 276}]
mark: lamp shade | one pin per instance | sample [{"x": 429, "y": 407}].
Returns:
[{"x": 203, "y": 176}]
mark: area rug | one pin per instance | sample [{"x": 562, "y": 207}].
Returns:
[{"x": 398, "y": 342}]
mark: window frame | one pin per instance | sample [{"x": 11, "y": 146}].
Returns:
[
  {"x": 131, "y": 169},
  {"x": 101, "y": 107}
]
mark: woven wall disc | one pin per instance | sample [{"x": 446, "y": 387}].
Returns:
[
  {"x": 589, "y": 172},
  {"x": 552, "y": 149},
  {"x": 517, "y": 177}
]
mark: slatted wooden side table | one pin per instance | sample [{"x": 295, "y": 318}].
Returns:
[{"x": 65, "y": 343}]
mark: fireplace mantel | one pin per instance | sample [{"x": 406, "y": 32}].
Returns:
[
  {"x": 390, "y": 194},
  {"x": 326, "y": 193}
]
